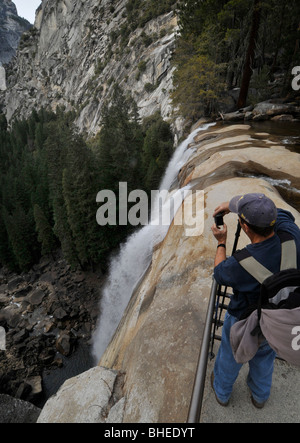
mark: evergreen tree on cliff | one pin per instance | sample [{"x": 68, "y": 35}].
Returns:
[
  {"x": 45, "y": 232},
  {"x": 243, "y": 44},
  {"x": 56, "y": 148},
  {"x": 80, "y": 185}
]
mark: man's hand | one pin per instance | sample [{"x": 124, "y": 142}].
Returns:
[
  {"x": 220, "y": 234},
  {"x": 223, "y": 207}
]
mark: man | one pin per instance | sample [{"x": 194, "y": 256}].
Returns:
[{"x": 260, "y": 220}]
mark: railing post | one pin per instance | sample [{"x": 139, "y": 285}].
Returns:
[{"x": 199, "y": 383}]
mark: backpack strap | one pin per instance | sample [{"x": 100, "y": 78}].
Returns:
[
  {"x": 289, "y": 251},
  {"x": 252, "y": 266},
  {"x": 260, "y": 272}
]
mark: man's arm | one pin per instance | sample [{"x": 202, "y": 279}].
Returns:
[{"x": 221, "y": 236}]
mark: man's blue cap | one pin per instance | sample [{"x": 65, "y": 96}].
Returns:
[{"x": 256, "y": 209}]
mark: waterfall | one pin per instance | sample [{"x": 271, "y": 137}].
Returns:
[{"x": 128, "y": 267}]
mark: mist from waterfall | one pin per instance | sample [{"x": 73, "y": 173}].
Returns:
[{"x": 129, "y": 265}]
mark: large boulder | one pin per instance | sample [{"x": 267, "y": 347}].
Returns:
[{"x": 87, "y": 398}]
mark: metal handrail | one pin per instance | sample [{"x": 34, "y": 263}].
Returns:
[{"x": 199, "y": 383}]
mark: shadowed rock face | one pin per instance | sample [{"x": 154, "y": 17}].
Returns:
[{"x": 157, "y": 342}]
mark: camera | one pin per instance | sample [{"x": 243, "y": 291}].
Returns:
[{"x": 219, "y": 219}]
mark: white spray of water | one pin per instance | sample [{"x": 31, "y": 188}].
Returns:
[{"x": 128, "y": 267}]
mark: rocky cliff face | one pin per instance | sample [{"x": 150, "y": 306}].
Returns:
[
  {"x": 157, "y": 342},
  {"x": 11, "y": 28},
  {"x": 72, "y": 57}
]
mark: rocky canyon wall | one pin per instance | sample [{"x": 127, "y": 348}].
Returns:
[{"x": 73, "y": 56}]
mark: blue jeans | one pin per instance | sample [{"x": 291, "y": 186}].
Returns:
[{"x": 226, "y": 369}]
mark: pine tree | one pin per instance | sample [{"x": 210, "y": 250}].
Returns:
[
  {"x": 20, "y": 236},
  {"x": 56, "y": 145},
  {"x": 80, "y": 187},
  {"x": 45, "y": 231},
  {"x": 157, "y": 150},
  {"x": 120, "y": 142},
  {"x": 6, "y": 255},
  {"x": 63, "y": 232}
]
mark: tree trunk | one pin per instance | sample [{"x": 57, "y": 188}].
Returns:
[
  {"x": 277, "y": 47},
  {"x": 247, "y": 73}
]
